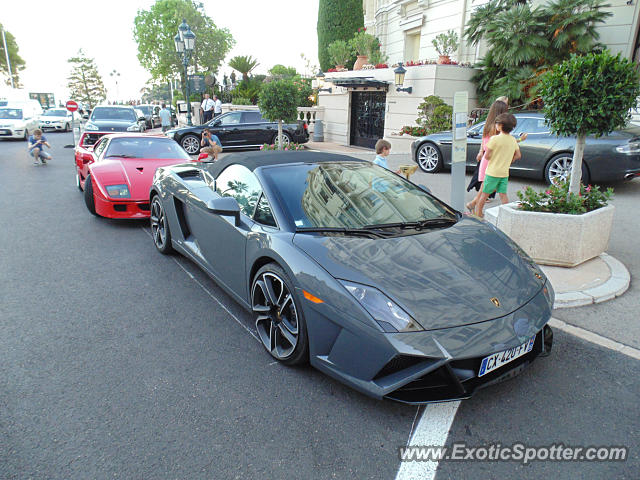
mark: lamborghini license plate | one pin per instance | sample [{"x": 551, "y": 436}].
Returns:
[{"x": 496, "y": 360}]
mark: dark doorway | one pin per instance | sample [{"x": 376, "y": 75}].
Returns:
[{"x": 367, "y": 118}]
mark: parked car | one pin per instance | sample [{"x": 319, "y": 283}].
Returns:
[
  {"x": 119, "y": 172},
  {"x": 544, "y": 155},
  {"x": 58, "y": 119},
  {"x": 151, "y": 115},
  {"x": 114, "y": 118},
  {"x": 239, "y": 129},
  {"x": 18, "y": 119},
  {"x": 347, "y": 265},
  {"x": 142, "y": 122}
]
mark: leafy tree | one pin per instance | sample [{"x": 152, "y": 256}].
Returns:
[
  {"x": 524, "y": 42},
  {"x": 248, "y": 89},
  {"x": 588, "y": 95},
  {"x": 282, "y": 71},
  {"x": 17, "y": 63},
  {"x": 337, "y": 20},
  {"x": 155, "y": 29},
  {"x": 244, "y": 65},
  {"x": 278, "y": 102},
  {"x": 85, "y": 83}
]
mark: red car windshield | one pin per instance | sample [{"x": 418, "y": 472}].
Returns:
[{"x": 146, "y": 147}]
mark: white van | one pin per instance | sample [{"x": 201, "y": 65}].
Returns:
[{"x": 18, "y": 119}]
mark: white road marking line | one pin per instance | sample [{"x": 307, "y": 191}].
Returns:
[
  {"x": 209, "y": 293},
  {"x": 432, "y": 430},
  {"x": 592, "y": 337}
]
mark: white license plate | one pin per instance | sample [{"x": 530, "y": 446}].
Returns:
[
  {"x": 496, "y": 360},
  {"x": 5, "y": 132}
]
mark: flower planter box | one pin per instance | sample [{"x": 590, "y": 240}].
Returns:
[{"x": 555, "y": 238}]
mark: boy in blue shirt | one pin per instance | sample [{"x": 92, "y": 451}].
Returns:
[{"x": 37, "y": 142}]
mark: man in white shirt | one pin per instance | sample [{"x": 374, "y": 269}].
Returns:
[
  {"x": 217, "y": 108},
  {"x": 207, "y": 108}
]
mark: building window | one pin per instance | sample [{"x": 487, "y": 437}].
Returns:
[{"x": 412, "y": 46}]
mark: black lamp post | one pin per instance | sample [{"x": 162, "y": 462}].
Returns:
[
  {"x": 320, "y": 79},
  {"x": 400, "y": 72},
  {"x": 185, "y": 42}
]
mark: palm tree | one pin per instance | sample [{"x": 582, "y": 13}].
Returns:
[{"x": 244, "y": 65}]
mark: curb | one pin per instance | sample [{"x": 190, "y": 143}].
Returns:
[{"x": 616, "y": 285}]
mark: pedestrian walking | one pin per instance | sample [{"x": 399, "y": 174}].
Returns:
[
  {"x": 165, "y": 118},
  {"x": 488, "y": 131},
  {"x": 207, "y": 108},
  {"x": 37, "y": 142},
  {"x": 501, "y": 151},
  {"x": 217, "y": 107}
]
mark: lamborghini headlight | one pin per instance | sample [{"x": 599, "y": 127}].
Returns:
[
  {"x": 118, "y": 191},
  {"x": 389, "y": 316}
]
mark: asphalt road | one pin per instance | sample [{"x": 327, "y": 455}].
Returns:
[{"x": 118, "y": 362}]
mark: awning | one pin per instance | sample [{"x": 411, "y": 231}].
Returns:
[{"x": 354, "y": 82}]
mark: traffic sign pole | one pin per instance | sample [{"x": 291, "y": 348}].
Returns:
[{"x": 72, "y": 107}]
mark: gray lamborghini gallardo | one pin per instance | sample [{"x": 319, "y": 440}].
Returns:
[{"x": 352, "y": 268}]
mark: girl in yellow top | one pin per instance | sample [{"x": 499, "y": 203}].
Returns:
[{"x": 502, "y": 150}]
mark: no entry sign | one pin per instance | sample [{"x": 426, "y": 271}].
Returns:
[{"x": 72, "y": 106}]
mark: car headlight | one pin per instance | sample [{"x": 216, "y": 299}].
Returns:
[
  {"x": 134, "y": 128},
  {"x": 90, "y": 126},
  {"x": 118, "y": 191},
  {"x": 631, "y": 148},
  {"x": 389, "y": 316}
]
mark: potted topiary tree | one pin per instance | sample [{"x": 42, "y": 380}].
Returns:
[
  {"x": 588, "y": 95},
  {"x": 340, "y": 53},
  {"x": 363, "y": 43},
  {"x": 569, "y": 223},
  {"x": 446, "y": 44},
  {"x": 279, "y": 102}
]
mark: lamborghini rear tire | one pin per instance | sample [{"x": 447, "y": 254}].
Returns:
[{"x": 160, "y": 227}]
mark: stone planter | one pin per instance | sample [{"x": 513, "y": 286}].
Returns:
[{"x": 555, "y": 238}]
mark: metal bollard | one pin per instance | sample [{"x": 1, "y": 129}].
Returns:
[{"x": 318, "y": 131}]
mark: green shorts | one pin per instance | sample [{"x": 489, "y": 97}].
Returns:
[{"x": 495, "y": 184}]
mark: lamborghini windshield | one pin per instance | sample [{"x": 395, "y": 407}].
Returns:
[{"x": 351, "y": 195}]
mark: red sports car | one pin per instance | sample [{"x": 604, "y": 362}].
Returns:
[
  {"x": 120, "y": 171},
  {"x": 83, "y": 155}
]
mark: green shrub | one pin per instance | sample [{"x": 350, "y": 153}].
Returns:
[
  {"x": 339, "y": 52},
  {"x": 364, "y": 43},
  {"x": 446, "y": 43},
  {"x": 558, "y": 199},
  {"x": 241, "y": 101}
]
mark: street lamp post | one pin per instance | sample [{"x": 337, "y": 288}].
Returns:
[{"x": 185, "y": 42}]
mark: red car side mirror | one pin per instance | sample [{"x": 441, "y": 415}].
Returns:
[{"x": 202, "y": 157}]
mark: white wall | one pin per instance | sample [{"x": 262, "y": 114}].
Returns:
[{"x": 402, "y": 107}]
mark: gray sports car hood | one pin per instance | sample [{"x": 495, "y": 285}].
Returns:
[{"x": 442, "y": 277}]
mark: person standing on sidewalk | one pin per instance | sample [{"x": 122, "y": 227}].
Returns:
[
  {"x": 207, "y": 108},
  {"x": 217, "y": 106},
  {"x": 165, "y": 118}
]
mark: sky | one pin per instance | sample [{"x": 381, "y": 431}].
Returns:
[{"x": 48, "y": 33}]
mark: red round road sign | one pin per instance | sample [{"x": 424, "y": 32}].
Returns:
[{"x": 72, "y": 106}]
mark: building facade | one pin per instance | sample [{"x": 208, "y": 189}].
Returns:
[{"x": 364, "y": 105}]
